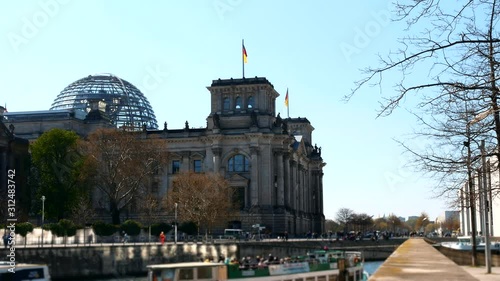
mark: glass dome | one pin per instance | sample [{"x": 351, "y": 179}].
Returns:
[{"x": 125, "y": 104}]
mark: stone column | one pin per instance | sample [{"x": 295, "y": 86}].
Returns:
[
  {"x": 293, "y": 186},
  {"x": 217, "y": 151},
  {"x": 286, "y": 178},
  {"x": 185, "y": 161},
  {"x": 254, "y": 182},
  {"x": 301, "y": 197},
  {"x": 280, "y": 178},
  {"x": 320, "y": 191}
]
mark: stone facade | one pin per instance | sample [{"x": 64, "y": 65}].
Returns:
[
  {"x": 14, "y": 165},
  {"x": 271, "y": 161}
]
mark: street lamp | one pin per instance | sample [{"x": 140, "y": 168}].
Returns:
[
  {"x": 472, "y": 198},
  {"x": 487, "y": 251},
  {"x": 175, "y": 226},
  {"x": 43, "y": 214}
]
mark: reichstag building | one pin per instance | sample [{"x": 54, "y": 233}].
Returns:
[{"x": 270, "y": 161}]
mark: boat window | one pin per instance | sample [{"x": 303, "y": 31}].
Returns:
[
  {"x": 186, "y": 274},
  {"x": 310, "y": 278},
  {"x": 204, "y": 273},
  {"x": 163, "y": 275},
  {"x": 299, "y": 279},
  {"x": 321, "y": 278},
  {"x": 24, "y": 274}
]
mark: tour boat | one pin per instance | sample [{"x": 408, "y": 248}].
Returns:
[
  {"x": 24, "y": 271},
  {"x": 317, "y": 265}
]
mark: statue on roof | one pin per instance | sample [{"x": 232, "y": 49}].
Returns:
[
  {"x": 216, "y": 121},
  {"x": 278, "y": 122},
  {"x": 284, "y": 126}
]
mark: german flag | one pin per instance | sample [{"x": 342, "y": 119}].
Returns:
[{"x": 244, "y": 54}]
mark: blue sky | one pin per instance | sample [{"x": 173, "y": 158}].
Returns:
[{"x": 172, "y": 50}]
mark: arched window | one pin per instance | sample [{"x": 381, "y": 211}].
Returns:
[
  {"x": 238, "y": 103},
  {"x": 227, "y": 104},
  {"x": 238, "y": 163},
  {"x": 250, "y": 103}
]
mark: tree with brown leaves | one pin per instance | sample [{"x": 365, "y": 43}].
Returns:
[
  {"x": 205, "y": 199},
  {"x": 122, "y": 164}
]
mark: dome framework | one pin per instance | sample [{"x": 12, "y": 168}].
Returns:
[{"x": 126, "y": 105}]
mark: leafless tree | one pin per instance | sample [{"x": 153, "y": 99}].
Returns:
[
  {"x": 344, "y": 217},
  {"x": 123, "y": 163},
  {"x": 205, "y": 199},
  {"x": 457, "y": 46},
  {"x": 150, "y": 209}
]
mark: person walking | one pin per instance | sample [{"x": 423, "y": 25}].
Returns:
[
  {"x": 5, "y": 239},
  {"x": 125, "y": 237},
  {"x": 162, "y": 238}
]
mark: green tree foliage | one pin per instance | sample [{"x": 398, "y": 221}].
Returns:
[
  {"x": 23, "y": 229},
  {"x": 104, "y": 229},
  {"x": 68, "y": 227},
  {"x": 131, "y": 227},
  {"x": 58, "y": 164}
]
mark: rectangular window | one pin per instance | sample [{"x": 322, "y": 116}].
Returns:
[
  {"x": 186, "y": 274},
  {"x": 176, "y": 165},
  {"x": 197, "y": 166},
  {"x": 205, "y": 273}
]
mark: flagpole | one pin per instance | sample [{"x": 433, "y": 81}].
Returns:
[
  {"x": 243, "y": 57},
  {"x": 287, "y": 103}
]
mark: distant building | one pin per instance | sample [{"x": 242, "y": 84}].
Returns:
[
  {"x": 445, "y": 223},
  {"x": 492, "y": 202},
  {"x": 14, "y": 169},
  {"x": 271, "y": 161}
]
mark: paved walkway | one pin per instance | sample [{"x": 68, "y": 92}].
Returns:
[
  {"x": 480, "y": 273},
  {"x": 415, "y": 259}
]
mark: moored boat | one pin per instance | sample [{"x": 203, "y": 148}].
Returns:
[
  {"x": 464, "y": 243},
  {"x": 24, "y": 271},
  {"x": 317, "y": 265}
]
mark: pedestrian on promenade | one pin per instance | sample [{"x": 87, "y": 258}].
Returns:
[
  {"x": 162, "y": 238},
  {"x": 5, "y": 238},
  {"x": 125, "y": 237}
]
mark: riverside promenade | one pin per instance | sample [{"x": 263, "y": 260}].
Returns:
[{"x": 417, "y": 260}]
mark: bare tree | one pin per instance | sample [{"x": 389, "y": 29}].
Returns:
[
  {"x": 421, "y": 222},
  {"x": 83, "y": 213},
  {"x": 150, "y": 209},
  {"x": 122, "y": 163},
  {"x": 458, "y": 47},
  {"x": 205, "y": 199},
  {"x": 344, "y": 217}
]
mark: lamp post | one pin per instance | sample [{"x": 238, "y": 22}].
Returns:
[
  {"x": 175, "y": 226},
  {"x": 487, "y": 251},
  {"x": 472, "y": 199},
  {"x": 43, "y": 214}
]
